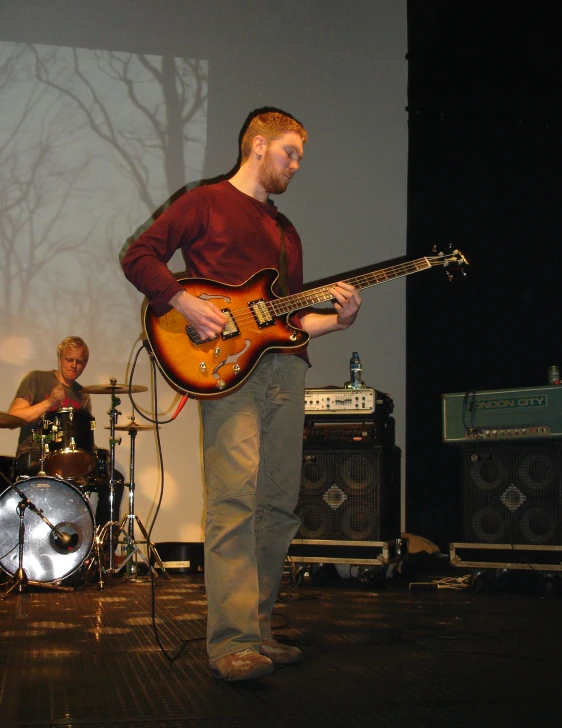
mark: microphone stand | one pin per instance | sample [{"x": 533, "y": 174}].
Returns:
[{"x": 20, "y": 580}]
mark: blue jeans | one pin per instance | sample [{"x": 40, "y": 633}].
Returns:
[{"x": 252, "y": 441}]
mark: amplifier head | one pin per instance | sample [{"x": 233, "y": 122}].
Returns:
[{"x": 332, "y": 431}]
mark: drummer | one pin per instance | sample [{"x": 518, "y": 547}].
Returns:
[{"x": 48, "y": 391}]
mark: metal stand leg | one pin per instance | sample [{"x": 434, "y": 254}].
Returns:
[
  {"x": 112, "y": 530},
  {"x": 97, "y": 560},
  {"x": 113, "y": 414},
  {"x": 127, "y": 527}
]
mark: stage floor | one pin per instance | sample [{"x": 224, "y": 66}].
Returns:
[{"x": 374, "y": 655}]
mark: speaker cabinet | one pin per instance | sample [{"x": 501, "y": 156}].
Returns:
[
  {"x": 350, "y": 495},
  {"x": 512, "y": 493}
]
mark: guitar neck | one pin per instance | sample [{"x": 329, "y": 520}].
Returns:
[{"x": 298, "y": 301}]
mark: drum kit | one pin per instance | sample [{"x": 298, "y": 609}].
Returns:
[{"x": 61, "y": 539}]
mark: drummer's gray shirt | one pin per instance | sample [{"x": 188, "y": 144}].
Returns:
[{"x": 35, "y": 387}]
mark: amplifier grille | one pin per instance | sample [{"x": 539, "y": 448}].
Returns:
[
  {"x": 512, "y": 494},
  {"x": 350, "y": 495}
]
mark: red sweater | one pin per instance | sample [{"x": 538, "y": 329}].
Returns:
[{"x": 223, "y": 234}]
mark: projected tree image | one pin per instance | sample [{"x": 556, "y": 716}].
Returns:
[{"x": 92, "y": 142}]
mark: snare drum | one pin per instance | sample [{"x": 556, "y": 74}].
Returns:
[
  {"x": 45, "y": 558},
  {"x": 70, "y": 443}
]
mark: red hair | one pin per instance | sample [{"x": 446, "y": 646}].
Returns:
[{"x": 270, "y": 125}]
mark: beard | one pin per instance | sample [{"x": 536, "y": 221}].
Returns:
[{"x": 273, "y": 182}]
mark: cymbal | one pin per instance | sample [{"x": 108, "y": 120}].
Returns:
[
  {"x": 113, "y": 389},
  {"x": 11, "y": 421},
  {"x": 131, "y": 427}
]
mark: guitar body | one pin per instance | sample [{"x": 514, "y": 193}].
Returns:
[{"x": 210, "y": 369}]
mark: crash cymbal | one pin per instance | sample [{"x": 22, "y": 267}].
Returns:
[
  {"x": 131, "y": 426},
  {"x": 113, "y": 388},
  {"x": 11, "y": 421}
]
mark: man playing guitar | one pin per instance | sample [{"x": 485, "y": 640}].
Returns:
[{"x": 252, "y": 397}]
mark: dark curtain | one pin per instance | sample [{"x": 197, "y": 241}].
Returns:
[{"x": 485, "y": 161}]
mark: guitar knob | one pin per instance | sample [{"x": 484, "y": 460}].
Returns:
[
  {"x": 221, "y": 384},
  {"x": 216, "y": 352},
  {"x": 203, "y": 366},
  {"x": 236, "y": 368}
]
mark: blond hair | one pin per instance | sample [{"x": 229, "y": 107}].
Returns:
[{"x": 74, "y": 342}]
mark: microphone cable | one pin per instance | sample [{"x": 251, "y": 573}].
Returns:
[{"x": 156, "y": 421}]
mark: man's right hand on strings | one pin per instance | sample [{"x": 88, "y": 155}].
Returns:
[{"x": 207, "y": 320}]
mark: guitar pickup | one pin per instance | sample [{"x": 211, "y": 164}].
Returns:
[{"x": 261, "y": 313}]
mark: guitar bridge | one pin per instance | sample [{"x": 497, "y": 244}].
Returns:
[
  {"x": 231, "y": 329},
  {"x": 261, "y": 313},
  {"x": 193, "y": 335}
]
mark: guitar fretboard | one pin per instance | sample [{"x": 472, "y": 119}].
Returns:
[{"x": 302, "y": 300}]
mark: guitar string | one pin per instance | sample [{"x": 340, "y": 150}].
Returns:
[
  {"x": 362, "y": 281},
  {"x": 321, "y": 294}
]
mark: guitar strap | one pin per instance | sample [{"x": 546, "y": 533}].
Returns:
[{"x": 283, "y": 280}]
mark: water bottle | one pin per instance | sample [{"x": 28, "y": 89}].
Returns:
[
  {"x": 355, "y": 372},
  {"x": 554, "y": 374}
]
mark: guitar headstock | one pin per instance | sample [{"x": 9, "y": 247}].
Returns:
[{"x": 454, "y": 262}]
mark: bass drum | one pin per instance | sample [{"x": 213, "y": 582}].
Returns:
[{"x": 45, "y": 558}]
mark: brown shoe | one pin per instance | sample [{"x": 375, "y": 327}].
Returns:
[
  {"x": 279, "y": 653},
  {"x": 243, "y": 665}
]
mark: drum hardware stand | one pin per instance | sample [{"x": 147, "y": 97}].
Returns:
[
  {"x": 117, "y": 531},
  {"x": 20, "y": 580},
  {"x": 44, "y": 439},
  {"x": 127, "y": 526},
  {"x": 96, "y": 561},
  {"x": 109, "y": 527}
]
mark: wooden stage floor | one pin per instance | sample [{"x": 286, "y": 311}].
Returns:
[{"x": 375, "y": 655}]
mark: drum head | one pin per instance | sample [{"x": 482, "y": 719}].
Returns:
[{"x": 45, "y": 558}]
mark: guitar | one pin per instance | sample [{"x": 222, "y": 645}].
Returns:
[{"x": 257, "y": 323}]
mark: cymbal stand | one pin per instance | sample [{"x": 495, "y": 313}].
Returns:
[
  {"x": 128, "y": 528},
  {"x": 108, "y": 527}
]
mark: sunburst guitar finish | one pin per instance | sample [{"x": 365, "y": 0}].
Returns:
[{"x": 257, "y": 323}]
